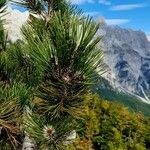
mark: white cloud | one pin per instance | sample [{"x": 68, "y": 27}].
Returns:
[
  {"x": 105, "y": 2},
  {"x": 81, "y": 1},
  {"x": 116, "y": 21},
  {"x": 92, "y": 13},
  {"x": 127, "y": 6}
]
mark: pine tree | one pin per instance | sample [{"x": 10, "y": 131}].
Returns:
[{"x": 46, "y": 76}]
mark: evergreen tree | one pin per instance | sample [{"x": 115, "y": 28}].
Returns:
[{"x": 46, "y": 76}]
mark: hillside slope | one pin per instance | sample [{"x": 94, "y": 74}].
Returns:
[{"x": 105, "y": 91}]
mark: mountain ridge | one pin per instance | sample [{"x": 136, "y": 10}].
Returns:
[{"x": 127, "y": 55}]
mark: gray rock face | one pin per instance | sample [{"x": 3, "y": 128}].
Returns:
[
  {"x": 148, "y": 37},
  {"x": 14, "y": 21},
  {"x": 127, "y": 54}
]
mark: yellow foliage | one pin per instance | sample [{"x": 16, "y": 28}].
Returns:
[
  {"x": 81, "y": 144},
  {"x": 111, "y": 126}
]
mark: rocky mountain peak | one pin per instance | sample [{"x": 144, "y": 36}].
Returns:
[{"x": 127, "y": 54}]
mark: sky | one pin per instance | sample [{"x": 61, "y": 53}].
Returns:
[{"x": 133, "y": 14}]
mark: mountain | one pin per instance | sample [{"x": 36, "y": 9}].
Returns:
[
  {"x": 127, "y": 56},
  {"x": 106, "y": 91},
  {"x": 148, "y": 37},
  {"x": 14, "y": 21}
]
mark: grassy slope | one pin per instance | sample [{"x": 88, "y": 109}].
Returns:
[{"x": 105, "y": 91}]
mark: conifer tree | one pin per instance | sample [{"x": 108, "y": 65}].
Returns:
[{"x": 46, "y": 76}]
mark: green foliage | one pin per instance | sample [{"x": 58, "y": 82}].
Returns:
[
  {"x": 65, "y": 57},
  {"x": 42, "y": 6},
  {"x": 3, "y": 37},
  {"x": 2, "y": 7},
  {"x": 46, "y": 133},
  {"x": 10, "y": 133},
  {"x": 106, "y": 91},
  {"x": 46, "y": 76},
  {"x": 116, "y": 127},
  {"x": 3, "y": 53}
]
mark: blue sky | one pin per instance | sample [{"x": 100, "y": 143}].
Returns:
[{"x": 133, "y": 14}]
